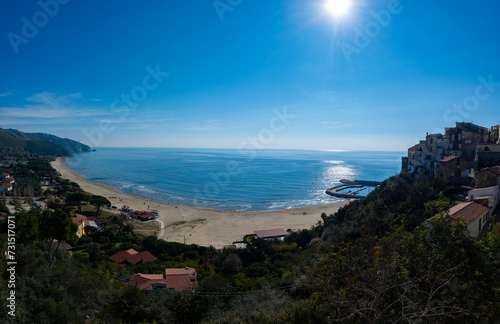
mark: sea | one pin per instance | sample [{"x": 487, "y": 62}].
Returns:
[{"x": 231, "y": 179}]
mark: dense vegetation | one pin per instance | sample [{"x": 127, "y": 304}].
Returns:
[
  {"x": 28, "y": 177},
  {"x": 14, "y": 143},
  {"x": 374, "y": 261}
]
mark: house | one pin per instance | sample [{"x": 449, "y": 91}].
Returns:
[
  {"x": 5, "y": 187},
  {"x": 98, "y": 221},
  {"x": 81, "y": 226},
  {"x": 450, "y": 166},
  {"x": 142, "y": 215},
  {"x": 83, "y": 218},
  {"x": 490, "y": 194},
  {"x": 4, "y": 175},
  {"x": 64, "y": 245},
  {"x": 475, "y": 215},
  {"x": 271, "y": 234},
  {"x": 487, "y": 186},
  {"x": 8, "y": 180},
  {"x": 131, "y": 256},
  {"x": 488, "y": 177},
  {"x": 93, "y": 224},
  {"x": 184, "y": 279},
  {"x": 473, "y": 144},
  {"x": 86, "y": 221}
]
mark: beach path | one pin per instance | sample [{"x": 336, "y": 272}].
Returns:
[{"x": 185, "y": 224}]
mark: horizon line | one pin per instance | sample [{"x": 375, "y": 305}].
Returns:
[{"x": 243, "y": 149}]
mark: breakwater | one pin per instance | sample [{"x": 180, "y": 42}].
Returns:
[{"x": 348, "y": 184}]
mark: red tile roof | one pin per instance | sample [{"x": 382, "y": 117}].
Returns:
[
  {"x": 468, "y": 211},
  {"x": 144, "y": 215},
  {"x": 449, "y": 158},
  {"x": 97, "y": 220},
  {"x": 177, "y": 279},
  {"x": 277, "y": 232},
  {"x": 64, "y": 245},
  {"x": 77, "y": 221},
  {"x": 131, "y": 256},
  {"x": 495, "y": 170},
  {"x": 7, "y": 185}
]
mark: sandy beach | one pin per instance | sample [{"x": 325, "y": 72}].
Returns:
[{"x": 201, "y": 225}]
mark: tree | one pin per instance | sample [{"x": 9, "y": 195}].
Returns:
[
  {"x": 436, "y": 273},
  {"x": 99, "y": 202},
  {"x": 26, "y": 227},
  {"x": 57, "y": 226},
  {"x": 76, "y": 199}
]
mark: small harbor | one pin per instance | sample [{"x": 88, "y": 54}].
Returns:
[{"x": 360, "y": 185}]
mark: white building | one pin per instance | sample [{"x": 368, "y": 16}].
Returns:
[{"x": 473, "y": 214}]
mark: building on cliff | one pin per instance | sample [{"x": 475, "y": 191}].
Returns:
[{"x": 461, "y": 151}]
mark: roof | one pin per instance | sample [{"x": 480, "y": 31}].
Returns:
[
  {"x": 177, "y": 279},
  {"x": 142, "y": 214},
  {"x": 179, "y": 271},
  {"x": 449, "y": 158},
  {"x": 277, "y": 232},
  {"x": 84, "y": 218},
  {"x": 97, "y": 220},
  {"x": 131, "y": 256},
  {"x": 469, "y": 211},
  {"x": 77, "y": 221},
  {"x": 9, "y": 179},
  {"x": 7, "y": 185},
  {"x": 495, "y": 170},
  {"x": 93, "y": 224},
  {"x": 64, "y": 245}
]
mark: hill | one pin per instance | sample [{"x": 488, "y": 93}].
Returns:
[{"x": 12, "y": 140}]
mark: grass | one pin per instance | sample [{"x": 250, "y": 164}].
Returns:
[
  {"x": 146, "y": 228},
  {"x": 177, "y": 223},
  {"x": 89, "y": 210}
]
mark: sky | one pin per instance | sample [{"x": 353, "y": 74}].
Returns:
[{"x": 248, "y": 74}]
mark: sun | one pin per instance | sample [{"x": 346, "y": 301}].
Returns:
[{"x": 338, "y": 7}]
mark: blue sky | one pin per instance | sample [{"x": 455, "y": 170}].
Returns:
[{"x": 240, "y": 73}]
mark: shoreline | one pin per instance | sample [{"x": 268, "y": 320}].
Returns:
[{"x": 204, "y": 226}]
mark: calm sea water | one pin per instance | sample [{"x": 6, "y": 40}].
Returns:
[{"x": 230, "y": 179}]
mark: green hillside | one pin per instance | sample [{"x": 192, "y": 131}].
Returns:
[{"x": 14, "y": 141}]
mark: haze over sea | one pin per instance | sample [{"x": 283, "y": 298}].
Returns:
[{"x": 230, "y": 179}]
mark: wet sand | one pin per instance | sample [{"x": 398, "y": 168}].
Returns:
[{"x": 202, "y": 225}]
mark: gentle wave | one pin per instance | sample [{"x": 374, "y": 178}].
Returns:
[{"x": 274, "y": 179}]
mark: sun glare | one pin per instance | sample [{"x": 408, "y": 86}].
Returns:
[{"x": 338, "y": 7}]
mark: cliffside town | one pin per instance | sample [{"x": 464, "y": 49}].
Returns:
[
  {"x": 459, "y": 153},
  {"x": 468, "y": 155}
]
